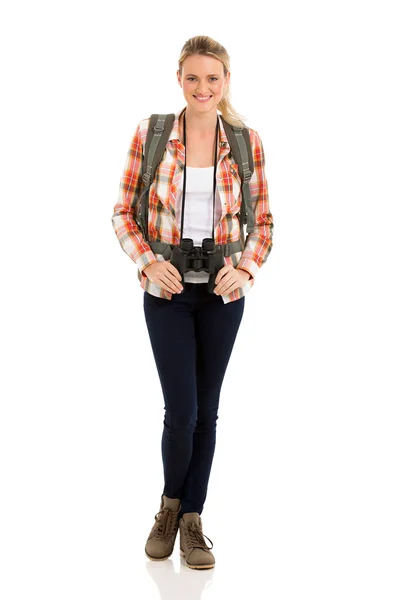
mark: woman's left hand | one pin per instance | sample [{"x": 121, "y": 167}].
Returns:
[{"x": 228, "y": 279}]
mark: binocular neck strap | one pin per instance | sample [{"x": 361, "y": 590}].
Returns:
[{"x": 184, "y": 174}]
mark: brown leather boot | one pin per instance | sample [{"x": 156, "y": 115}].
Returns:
[
  {"x": 161, "y": 540},
  {"x": 193, "y": 547}
]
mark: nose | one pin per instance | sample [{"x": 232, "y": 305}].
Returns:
[{"x": 201, "y": 91}]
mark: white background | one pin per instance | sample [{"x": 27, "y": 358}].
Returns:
[{"x": 304, "y": 493}]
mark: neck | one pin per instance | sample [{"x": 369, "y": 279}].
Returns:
[{"x": 201, "y": 122}]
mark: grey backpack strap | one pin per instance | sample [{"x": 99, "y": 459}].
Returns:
[
  {"x": 157, "y": 136},
  {"x": 239, "y": 141}
]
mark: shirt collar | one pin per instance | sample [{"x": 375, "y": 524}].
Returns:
[{"x": 174, "y": 135}]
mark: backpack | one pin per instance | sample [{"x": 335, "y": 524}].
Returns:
[{"x": 157, "y": 136}]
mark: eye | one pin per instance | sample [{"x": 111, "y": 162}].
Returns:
[{"x": 192, "y": 78}]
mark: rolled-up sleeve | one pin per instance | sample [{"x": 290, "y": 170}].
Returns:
[
  {"x": 259, "y": 242},
  {"x": 125, "y": 216}
]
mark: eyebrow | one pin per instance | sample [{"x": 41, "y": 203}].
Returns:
[{"x": 193, "y": 75}]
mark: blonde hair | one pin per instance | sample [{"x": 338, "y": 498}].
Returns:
[{"x": 202, "y": 44}]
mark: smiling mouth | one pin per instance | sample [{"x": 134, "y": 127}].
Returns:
[{"x": 202, "y": 98}]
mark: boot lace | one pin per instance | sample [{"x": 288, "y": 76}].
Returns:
[
  {"x": 195, "y": 537},
  {"x": 166, "y": 524}
]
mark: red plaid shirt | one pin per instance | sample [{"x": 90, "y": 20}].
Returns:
[{"x": 165, "y": 194}]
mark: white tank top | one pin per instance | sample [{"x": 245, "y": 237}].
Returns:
[{"x": 198, "y": 211}]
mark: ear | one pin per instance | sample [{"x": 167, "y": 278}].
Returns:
[
  {"x": 228, "y": 78},
  {"x": 179, "y": 77}
]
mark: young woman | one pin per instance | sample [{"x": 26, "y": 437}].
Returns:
[{"x": 192, "y": 330}]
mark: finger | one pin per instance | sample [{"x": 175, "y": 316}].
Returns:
[
  {"x": 172, "y": 281},
  {"x": 170, "y": 272},
  {"x": 166, "y": 286},
  {"x": 225, "y": 283},
  {"x": 228, "y": 289},
  {"x": 176, "y": 282},
  {"x": 229, "y": 279},
  {"x": 221, "y": 273},
  {"x": 173, "y": 270},
  {"x": 173, "y": 285}
]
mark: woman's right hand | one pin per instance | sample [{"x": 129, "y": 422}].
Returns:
[{"x": 165, "y": 275}]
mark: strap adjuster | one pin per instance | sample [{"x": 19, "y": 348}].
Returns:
[
  {"x": 247, "y": 174},
  {"x": 146, "y": 176}
]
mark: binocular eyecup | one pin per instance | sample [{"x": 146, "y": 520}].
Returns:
[{"x": 208, "y": 245}]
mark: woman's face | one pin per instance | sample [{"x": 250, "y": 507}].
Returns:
[{"x": 202, "y": 81}]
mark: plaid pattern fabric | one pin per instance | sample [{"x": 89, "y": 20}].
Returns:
[{"x": 165, "y": 194}]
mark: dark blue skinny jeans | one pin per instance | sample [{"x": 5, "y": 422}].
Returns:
[{"x": 192, "y": 336}]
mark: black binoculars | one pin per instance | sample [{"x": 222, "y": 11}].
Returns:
[{"x": 188, "y": 257}]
